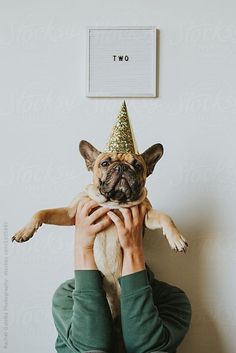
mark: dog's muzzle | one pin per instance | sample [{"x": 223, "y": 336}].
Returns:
[{"x": 121, "y": 184}]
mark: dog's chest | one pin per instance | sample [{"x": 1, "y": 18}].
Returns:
[
  {"x": 107, "y": 252},
  {"x": 108, "y": 258}
]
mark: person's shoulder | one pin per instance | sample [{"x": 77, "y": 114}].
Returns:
[
  {"x": 163, "y": 290},
  {"x": 65, "y": 289},
  {"x": 172, "y": 302},
  {"x": 170, "y": 297}
]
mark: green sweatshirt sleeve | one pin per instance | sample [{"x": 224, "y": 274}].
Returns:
[
  {"x": 154, "y": 318},
  {"x": 81, "y": 313}
]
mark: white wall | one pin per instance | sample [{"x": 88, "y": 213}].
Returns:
[{"x": 44, "y": 114}]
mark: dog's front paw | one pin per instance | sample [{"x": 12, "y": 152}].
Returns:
[
  {"x": 177, "y": 241},
  {"x": 24, "y": 234}
]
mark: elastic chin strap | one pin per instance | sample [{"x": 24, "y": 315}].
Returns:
[{"x": 93, "y": 192}]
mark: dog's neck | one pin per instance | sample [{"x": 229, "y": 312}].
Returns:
[{"x": 93, "y": 192}]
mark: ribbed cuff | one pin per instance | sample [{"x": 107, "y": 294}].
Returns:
[
  {"x": 88, "y": 280},
  {"x": 130, "y": 283}
]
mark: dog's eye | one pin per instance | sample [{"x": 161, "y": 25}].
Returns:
[
  {"x": 105, "y": 164},
  {"x": 138, "y": 166}
]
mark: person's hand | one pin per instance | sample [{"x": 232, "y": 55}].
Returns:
[
  {"x": 130, "y": 228},
  {"x": 130, "y": 237},
  {"x": 87, "y": 225}
]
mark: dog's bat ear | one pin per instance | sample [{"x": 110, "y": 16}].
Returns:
[
  {"x": 89, "y": 153},
  {"x": 151, "y": 156}
]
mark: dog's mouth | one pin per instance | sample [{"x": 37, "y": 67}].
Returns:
[
  {"x": 122, "y": 191},
  {"x": 121, "y": 188}
]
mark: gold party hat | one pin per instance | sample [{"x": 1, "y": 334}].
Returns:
[{"x": 122, "y": 139}]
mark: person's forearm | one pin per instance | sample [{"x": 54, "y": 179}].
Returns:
[
  {"x": 81, "y": 313},
  {"x": 84, "y": 259},
  {"x": 133, "y": 261},
  {"x": 138, "y": 312},
  {"x": 163, "y": 310}
]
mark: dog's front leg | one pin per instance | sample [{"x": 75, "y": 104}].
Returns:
[
  {"x": 58, "y": 216},
  {"x": 158, "y": 220}
]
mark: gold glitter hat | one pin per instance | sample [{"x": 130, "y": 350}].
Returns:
[{"x": 122, "y": 139}]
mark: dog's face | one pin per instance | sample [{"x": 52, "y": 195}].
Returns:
[{"x": 120, "y": 177}]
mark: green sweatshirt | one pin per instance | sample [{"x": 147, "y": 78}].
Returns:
[{"x": 155, "y": 315}]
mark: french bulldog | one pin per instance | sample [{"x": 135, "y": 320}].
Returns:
[{"x": 118, "y": 181}]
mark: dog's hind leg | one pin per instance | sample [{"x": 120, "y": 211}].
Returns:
[{"x": 158, "y": 220}]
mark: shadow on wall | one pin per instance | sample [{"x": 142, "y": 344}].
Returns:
[{"x": 188, "y": 272}]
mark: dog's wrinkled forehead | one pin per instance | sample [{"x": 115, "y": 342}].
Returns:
[
  {"x": 121, "y": 157},
  {"x": 113, "y": 157}
]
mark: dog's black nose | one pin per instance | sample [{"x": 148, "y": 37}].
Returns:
[{"x": 120, "y": 168}]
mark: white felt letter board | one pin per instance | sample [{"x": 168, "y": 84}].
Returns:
[{"x": 121, "y": 61}]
